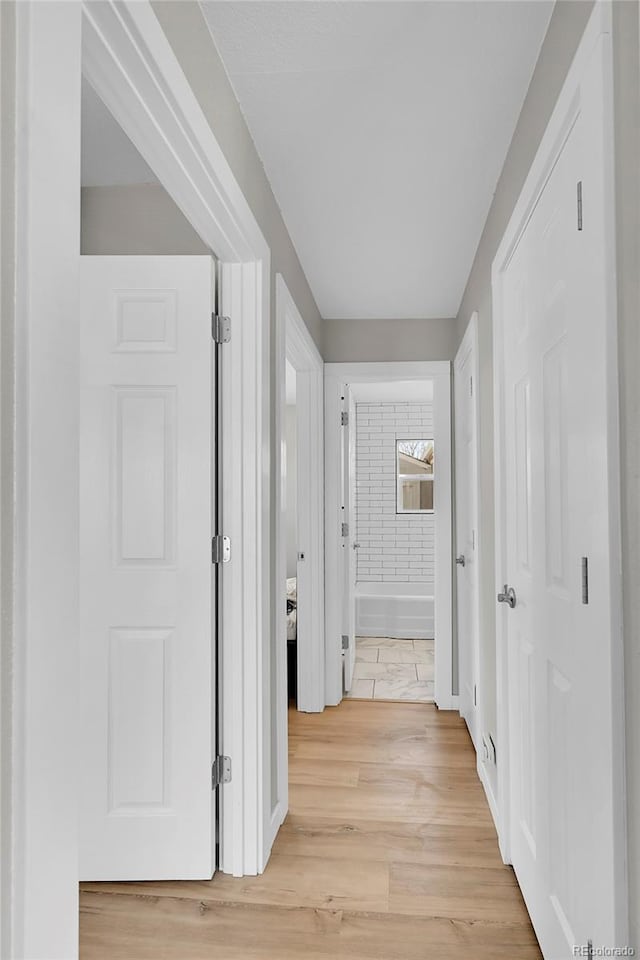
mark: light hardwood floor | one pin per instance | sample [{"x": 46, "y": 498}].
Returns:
[{"x": 388, "y": 853}]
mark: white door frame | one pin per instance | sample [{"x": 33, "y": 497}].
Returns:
[
  {"x": 296, "y": 345},
  {"x": 469, "y": 346},
  {"x": 602, "y": 196},
  {"x": 335, "y": 375},
  {"x": 127, "y": 58}
]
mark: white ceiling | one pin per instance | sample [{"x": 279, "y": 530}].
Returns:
[
  {"x": 383, "y": 128},
  {"x": 108, "y": 156}
]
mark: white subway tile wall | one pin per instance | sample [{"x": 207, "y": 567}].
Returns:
[{"x": 393, "y": 547}]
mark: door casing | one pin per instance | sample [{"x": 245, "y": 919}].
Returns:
[{"x": 569, "y": 103}]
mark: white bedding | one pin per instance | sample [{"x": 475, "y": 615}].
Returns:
[{"x": 292, "y": 612}]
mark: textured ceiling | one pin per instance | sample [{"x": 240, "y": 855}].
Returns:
[{"x": 383, "y": 128}]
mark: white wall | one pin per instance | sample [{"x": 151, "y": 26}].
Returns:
[
  {"x": 393, "y": 547},
  {"x": 291, "y": 426}
]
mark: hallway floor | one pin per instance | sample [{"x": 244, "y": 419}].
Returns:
[
  {"x": 389, "y": 853},
  {"x": 390, "y": 669}
]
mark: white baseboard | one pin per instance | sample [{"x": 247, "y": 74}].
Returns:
[
  {"x": 491, "y": 797},
  {"x": 449, "y": 703}
]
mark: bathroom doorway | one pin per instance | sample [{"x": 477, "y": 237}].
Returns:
[{"x": 389, "y": 486}]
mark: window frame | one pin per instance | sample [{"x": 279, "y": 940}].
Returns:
[{"x": 421, "y": 478}]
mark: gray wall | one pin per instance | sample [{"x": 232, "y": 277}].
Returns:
[
  {"x": 291, "y": 427},
  {"x": 379, "y": 340},
  {"x": 626, "y": 37},
  {"x": 135, "y": 220},
  {"x": 7, "y": 377},
  {"x": 564, "y": 34}
]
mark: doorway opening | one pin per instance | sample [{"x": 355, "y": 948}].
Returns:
[
  {"x": 150, "y": 505},
  {"x": 299, "y": 509},
  {"x": 388, "y": 523},
  {"x": 390, "y": 478},
  {"x": 291, "y": 513}
]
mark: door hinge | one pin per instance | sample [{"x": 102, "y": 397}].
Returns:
[
  {"x": 220, "y": 328},
  {"x": 220, "y": 549},
  {"x": 470, "y": 386},
  {"x": 345, "y": 529},
  {"x": 344, "y": 418},
  {"x": 220, "y": 771},
  {"x": 579, "y": 197},
  {"x": 475, "y": 695},
  {"x": 345, "y": 641},
  {"x": 585, "y": 580}
]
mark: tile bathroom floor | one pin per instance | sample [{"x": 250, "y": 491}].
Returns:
[{"x": 389, "y": 669}]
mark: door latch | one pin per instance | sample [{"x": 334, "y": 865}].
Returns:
[{"x": 508, "y": 596}]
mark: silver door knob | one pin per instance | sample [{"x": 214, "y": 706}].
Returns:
[
  {"x": 461, "y": 560},
  {"x": 508, "y": 596}
]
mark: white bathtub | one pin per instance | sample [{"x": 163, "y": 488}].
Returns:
[{"x": 394, "y": 610}]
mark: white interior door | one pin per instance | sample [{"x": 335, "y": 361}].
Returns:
[
  {"x": 147, "y": 603},
  {"x": 349, "y": 541},
  {"x": 559, "y": 640},
  {"x": 465, "y": 390}
]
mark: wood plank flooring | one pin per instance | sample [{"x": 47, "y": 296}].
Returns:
[{"x": 388, "y": 853}]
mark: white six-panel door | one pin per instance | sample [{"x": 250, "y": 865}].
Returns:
[
  {"x": 557, "y": 520},
  {"x": 147, "y": 670}
]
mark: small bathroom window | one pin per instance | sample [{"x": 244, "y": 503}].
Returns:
[{"x": 414, "y": 476}]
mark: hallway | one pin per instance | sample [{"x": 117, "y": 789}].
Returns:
[{"x": 388, "y": 853}]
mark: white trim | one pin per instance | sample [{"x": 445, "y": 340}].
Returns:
[
  {"x": 595, "y": 48},
  {"x": 296, "y": 344},
  {"x": 336, "y": 375},
  {"x": 44, "y": 871},
  {"x": 469, "y": 346},
  {"x": 485, "y": 780},
  {"x": 129, "y": 61}
]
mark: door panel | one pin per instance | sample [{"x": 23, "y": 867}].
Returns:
[
  {"x": 147, "y": 603},
  {"x": 559, "y": 700}
]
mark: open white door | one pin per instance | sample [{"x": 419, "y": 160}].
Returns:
[
  {"x": 559, "y": 606},
  {"x": 349, "y": 542},
  {"x": 466, "y": 481},
  {"x": 147, "y": 599}
]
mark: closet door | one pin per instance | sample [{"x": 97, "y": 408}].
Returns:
[
  {"x": 147, "y": 598},
  {"x": 559, "y": 563}
]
